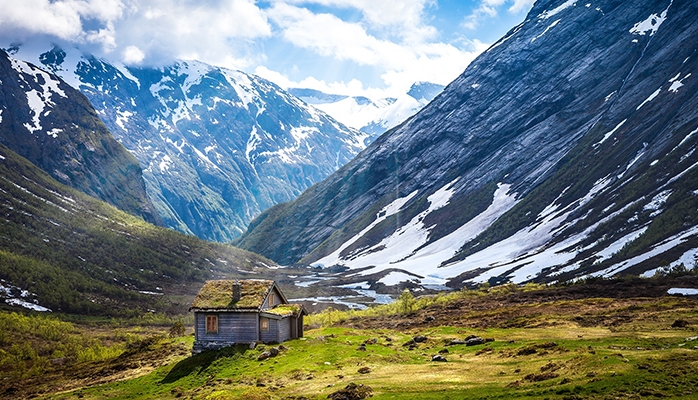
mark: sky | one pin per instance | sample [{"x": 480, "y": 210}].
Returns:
[{"x": 352, "y": 47}]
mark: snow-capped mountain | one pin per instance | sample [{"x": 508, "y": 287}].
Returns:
[
  {"x": 371, "y": 116},
  {"x": 54, "y": 126},
  {"x": 566, "y": 150},
  {"x": 216, "y": 146}
]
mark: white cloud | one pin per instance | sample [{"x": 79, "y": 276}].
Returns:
[
  {"x": 62, "y": 19},
  {"x": 132, "y": 55},
  {"x": 403, "y": 19},
  {"x": 214, "y": 31},
  {"x": 488, "y": 9},
  {"x": 401, "y": 62}
]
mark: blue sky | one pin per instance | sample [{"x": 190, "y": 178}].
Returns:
[{"x": 357, "y": 47}]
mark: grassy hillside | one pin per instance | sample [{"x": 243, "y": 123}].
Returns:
[
  {"x": 601, "y": 340},
  {"x": 71, "y": 253}
]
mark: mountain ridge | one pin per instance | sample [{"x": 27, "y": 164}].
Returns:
[
  {"x": 55, "y": 127},
  {"x": 497, "y": 177},
  {"x": 217, "y": 146}
]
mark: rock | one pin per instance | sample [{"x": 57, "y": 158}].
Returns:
[
  {"x": 456, "y": 342},
  {"x": 274, "y": 352},
  {"x": 263, "y": 356},
  {"x": 370, "y": 341},
  {"x": 362, "y": 347},
  {"x": 429, "y": 318},
  {"x": 439, "y": 358},
  {"x": 364, "y": 370},
  {"x": 352, "y": 392},
  {"x": 680, "y": 323},
  {"x": 443, "y": 351},
  {"x": 474, "y": 341},
  {"x": 419, "y": 339}
]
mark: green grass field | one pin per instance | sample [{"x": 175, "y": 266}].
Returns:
[{"x": 593, "y": 348}]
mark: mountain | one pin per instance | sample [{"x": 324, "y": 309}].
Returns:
[
  {"x": 567, "y": 150},
  {"x": 64, "y": 251},
  {"x": 217, "y": 146},
  {"x": 54, "y": 126},
  {"x": 372, "y": 117}
]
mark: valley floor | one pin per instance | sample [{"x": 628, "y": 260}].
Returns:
[{"x": 605, "y": 340}]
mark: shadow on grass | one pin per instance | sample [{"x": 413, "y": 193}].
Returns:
[{"x": 200, "y": 362}]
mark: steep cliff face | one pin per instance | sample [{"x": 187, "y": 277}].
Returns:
[
  {"x": 217, "y": 146},
  {"x": 565, "y": 150},
  {"x": 54, "y": 126}
]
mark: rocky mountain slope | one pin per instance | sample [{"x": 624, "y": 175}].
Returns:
[
  {"x": 217, "y": 146},
  {"x": 566, "y": 150},
  {"x": 64, "y": 251},
  {"x": 372, "y": 117},
  {"x": 55, "y": 127}
]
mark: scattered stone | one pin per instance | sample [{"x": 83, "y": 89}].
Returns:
[
  {"x": 540, "y": 377},
  {"x": 364, "y": 370},
  {"x": 439, "y": 358},
  {"x": 429, "y": 318},
  {"x": 274, "y": 351},
  {"x": 371, "y": 341},
  {"x": 362, "y": 347},
  {"x": 456, "y": 342},
  {"x": 263, "y": 356},
  {"x": 419, "y": 339},
  {"x": 474, "y": 341},
  {"x": 483, "y": 351},
  {"x": 253, "y": 345},
  {"x": 352, "y": 392},
  {"x": 680, "y": 323},
  {"x": 282, "y": 348},
  {"x": 443, "y": 351}
]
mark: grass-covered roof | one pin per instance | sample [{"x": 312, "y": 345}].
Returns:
[
  {"x": 285, "y": 310},
  {"x": 219, "y": 294}
]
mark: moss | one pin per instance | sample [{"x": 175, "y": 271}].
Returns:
[
  {"x": 286, "y": 309},
  {"x": 219, "y": 294}
]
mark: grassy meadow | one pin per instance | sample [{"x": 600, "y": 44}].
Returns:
[{"x": 559, "y": 348}]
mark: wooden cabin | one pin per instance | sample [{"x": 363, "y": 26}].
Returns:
[{"x": 228, "y": 312}]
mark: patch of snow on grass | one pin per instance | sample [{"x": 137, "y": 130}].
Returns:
[
  {"x": 424, "y": 261},
  {"x": 608, "y": 134},
  {"x": 396, "y": 277},
  {"x": 654, "y": 251},
  {"x": 683, "y": 291},
  {"x": 384, "y": 213},
  {"x": 615, "y": 247},
  {"x": 657, "y": 201}
]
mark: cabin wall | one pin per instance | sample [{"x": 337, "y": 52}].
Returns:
[
  {"x": 232, "y": 328},
  {"x": 285, "y": 329},
  {"x": 271, "y": 335}
]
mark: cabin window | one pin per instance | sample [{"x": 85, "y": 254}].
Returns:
[
  {"x": 264, "y": 324},
  {"x": 271, "y": 299},
  {"x": 212, "y": 324}
]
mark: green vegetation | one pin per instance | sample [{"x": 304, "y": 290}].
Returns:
[
  {"x": 75, "y": 254},
  {"x": 539, "y": 343},
  {"x": 219, "y": 294}
]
